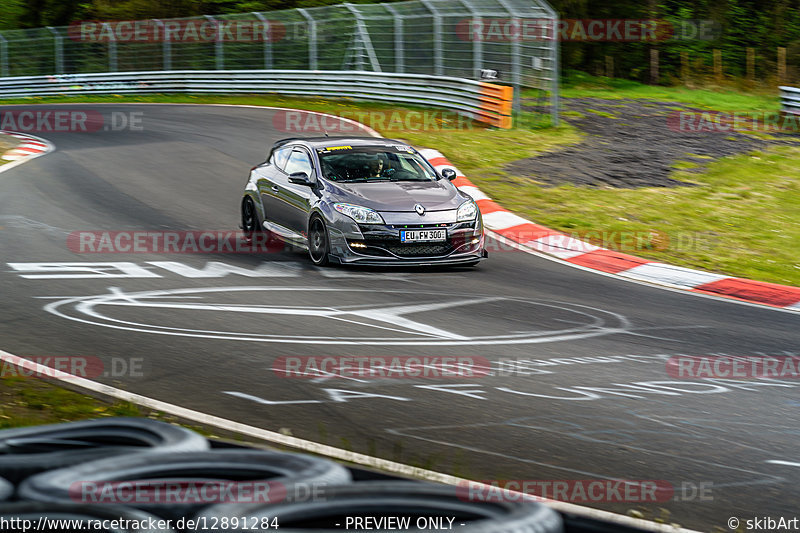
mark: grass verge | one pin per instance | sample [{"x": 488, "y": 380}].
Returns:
[
  {"x": 29, "y": 401},
  {"x": 725, "y": 99},
  {"x": 742, "y": 218}
]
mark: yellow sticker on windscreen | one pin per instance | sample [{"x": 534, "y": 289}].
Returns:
[{"x": 339, "y": 148}]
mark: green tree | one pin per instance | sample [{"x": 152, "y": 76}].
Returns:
[{"x": 11, "y": 13}]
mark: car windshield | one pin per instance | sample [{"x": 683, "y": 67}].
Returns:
[{"x": 374, "y": 163}]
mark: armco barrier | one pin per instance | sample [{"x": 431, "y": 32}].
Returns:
[
  {"x": 790, "y": 100},
  {"x": 481, "y": 101}
]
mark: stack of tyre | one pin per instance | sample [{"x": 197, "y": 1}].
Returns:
[{"x": 44, "y": 472}]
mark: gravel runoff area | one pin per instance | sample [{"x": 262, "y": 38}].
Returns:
[{"x": 634, "y": 143}]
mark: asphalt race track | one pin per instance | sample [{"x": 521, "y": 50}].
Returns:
[{"x": 206, "y": 338}]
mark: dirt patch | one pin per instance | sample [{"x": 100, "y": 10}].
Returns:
[{"x": 630, "y": 144}]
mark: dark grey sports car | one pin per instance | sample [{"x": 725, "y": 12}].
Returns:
[{"x": 362, "y": 201}]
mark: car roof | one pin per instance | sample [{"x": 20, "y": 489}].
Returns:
[{"x": 323, "y": 142}]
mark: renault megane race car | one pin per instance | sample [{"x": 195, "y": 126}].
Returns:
[{"x": 362, "y": 201}]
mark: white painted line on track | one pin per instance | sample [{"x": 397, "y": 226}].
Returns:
[
  {"x": 309, "y": 446},
  {"x": 779, "y": 462}
]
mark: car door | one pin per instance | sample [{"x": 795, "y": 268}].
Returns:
[
  {"x": 268, "y": 184},
  {"x": 293, "y": 200}
]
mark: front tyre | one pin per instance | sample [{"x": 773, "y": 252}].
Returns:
[{"x": 318, "y": 243}]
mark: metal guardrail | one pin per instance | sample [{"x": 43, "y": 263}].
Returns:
[
  {"x": 790, "y": 100},
  {"x": 485, "y": 102}
]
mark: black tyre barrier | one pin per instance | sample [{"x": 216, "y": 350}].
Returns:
[
  {"x": 178, "y": 484},
  {"x": 29, "y": 450},
  {"x": 6, "y": 490},
  {"x": 422, "y": 504},
  {"x": 48, "y": 514}
]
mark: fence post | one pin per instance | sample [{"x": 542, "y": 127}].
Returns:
[
  {"x": 267, "y": 40},
  {"x": 112, "y": 49},
  {"x": 685, "y": 67},
  {"x": 751, "y": 64},
  {"x": 59, "y": 49},
  {"x": 477, "y": 44},
  {"x": 554, "y": 103},
  {"x": 516, "y": 72},
  {"x": 654, "y": 74},
  {"x": 718, "y": 65},
  {"x": 312, "y": 38},
  {"x": 438, "y": 63},
  {"x": 363, "y": 39},
  {"x": 781, "y": 65},
  {"x": 609, "y": 66},
  {"x": 3, "y": 57},
  {"x": 166, "y": 60},
  {"x": 399, "y": 59},
  {"x": 219, "y": 51}
]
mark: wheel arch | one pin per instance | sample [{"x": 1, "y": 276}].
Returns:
[{"x": 253, "y": 196}]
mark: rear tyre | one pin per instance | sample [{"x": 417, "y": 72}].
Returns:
[
  {"x": 250, "y": 223},
  {"x": 318, "y": 243}
]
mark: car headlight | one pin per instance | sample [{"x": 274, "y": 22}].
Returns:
[
  {"x": 364, "y": 215},
  {"x": 467, "y": 211}
]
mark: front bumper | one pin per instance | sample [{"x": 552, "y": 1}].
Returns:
[
  {"x": 466, "y": 259},
  {"x": 380, "y": 244}
]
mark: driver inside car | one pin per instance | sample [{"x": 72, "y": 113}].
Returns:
[{"x": 375, "y": 168}]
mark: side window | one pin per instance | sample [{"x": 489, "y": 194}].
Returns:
[
  {"x": 280, "y": 156},
  {"x": 298, "y": 162}
]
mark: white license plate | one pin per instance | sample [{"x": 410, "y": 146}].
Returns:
[{"x": 423, "y": 235}]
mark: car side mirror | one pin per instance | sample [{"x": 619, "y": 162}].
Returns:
[
  {"x": 449, "y": 173},
  {"x": 301, "y": 178}
]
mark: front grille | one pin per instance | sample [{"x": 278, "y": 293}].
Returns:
[
  {"x": 387, "y": 245},
  {"x": 420, "y": 249}
]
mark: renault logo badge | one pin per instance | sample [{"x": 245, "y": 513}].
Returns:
[{"x": 419, "y": 209}]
